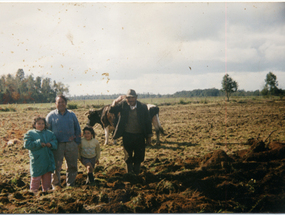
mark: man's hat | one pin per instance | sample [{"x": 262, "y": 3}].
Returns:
[{"x": 131, "y": 93}]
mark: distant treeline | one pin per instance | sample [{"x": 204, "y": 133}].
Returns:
[
  {"x": 113, "y": 96},
  {"x": 27, "y": 89},
  {"x": 213, "y": 92},
  {"x": 194, "y": 93}
]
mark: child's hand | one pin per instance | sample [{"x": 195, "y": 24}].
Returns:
[
  {"x": 48, "y": 145},
  {"x": 43, "y": 144}
]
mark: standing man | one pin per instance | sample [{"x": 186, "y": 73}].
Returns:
[
  {"x": 66, "y": 128},
  {"x": 135, "y": 128}
]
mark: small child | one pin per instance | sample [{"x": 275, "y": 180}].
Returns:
[
  {"x": 40, "y": 143},
  {"x": 89, "y": 152}
]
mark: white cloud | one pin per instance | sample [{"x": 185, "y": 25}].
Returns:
[{"x": 149, "y": 46}]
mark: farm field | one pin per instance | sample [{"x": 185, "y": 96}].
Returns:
[{"x": 215, "y": 157}]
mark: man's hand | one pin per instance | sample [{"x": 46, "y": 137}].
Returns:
[
  {"x": 117, "y": 100},
  {"x": 48, "y": 145},
  {"x": 148, "y": 141}
]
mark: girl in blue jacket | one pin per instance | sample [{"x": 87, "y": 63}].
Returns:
[{"x": 40, "y": 143}]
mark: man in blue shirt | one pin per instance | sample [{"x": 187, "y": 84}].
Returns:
[{"x": 66, "y": 128}]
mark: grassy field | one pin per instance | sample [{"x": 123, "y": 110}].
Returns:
[
  {"x": 197, "y": 168},
  {"x": 94, "y": 104}
]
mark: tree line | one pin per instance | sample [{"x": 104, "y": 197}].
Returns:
[
  {"x": 26, "y": 89},
  {"x": 230, "y": 87},
  {"x": 212, "y": 92},
  {"x": 114, "y": 96}
]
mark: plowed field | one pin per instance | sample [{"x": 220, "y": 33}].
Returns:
[{"x": 213, "y": 158}]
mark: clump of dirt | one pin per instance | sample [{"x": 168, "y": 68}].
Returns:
[{"x": 215, "y": 159}]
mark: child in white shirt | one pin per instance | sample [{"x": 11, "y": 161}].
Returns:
[{"x": 89, "y": 152}]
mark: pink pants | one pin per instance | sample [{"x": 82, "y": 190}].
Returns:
[{"x": 46, "y": 182}]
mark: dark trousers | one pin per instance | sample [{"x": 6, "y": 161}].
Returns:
[{"x": 134, "y": 148}]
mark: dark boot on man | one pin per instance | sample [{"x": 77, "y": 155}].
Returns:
[
  {"x": 91, "y": 178},
  {"x": 130, "y": 168},
  {"x": 137, "y": 168}
]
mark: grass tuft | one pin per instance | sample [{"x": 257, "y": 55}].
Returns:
[{"x": 72, "y": 106}]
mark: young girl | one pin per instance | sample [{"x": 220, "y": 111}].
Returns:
[
  {"x": 89, "y": 152},
  {"x": 40, "y": 143}
]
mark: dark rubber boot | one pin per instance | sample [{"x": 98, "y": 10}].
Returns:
[
  {"x": 130, "y": 168},
  {"x": 91, "y": 177},
  {"x": 137, "y": 168}
]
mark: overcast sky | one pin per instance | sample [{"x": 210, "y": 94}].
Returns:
[{"x": 106, "y": 48}]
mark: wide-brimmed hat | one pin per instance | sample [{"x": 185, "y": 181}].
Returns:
[{"x": 131, "y": 93}]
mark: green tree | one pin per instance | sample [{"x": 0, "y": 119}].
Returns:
[
  {"x": 2, "y": 87},
  {"x": 59, "y": 88},
  {"x": 29, "y": 94},
  {"x": 10, "y": 90},
  {"x": 2, "y": 83},
  {"x": 20, "y": 84},
  {"x": 229, "y": 86},
  {"x": 21, "y": 88},
  {"x": 20, "y": 75},
  {"x": 271, "y": 86},
  {"x": 47, "y": 91},
  {"x": 38, "y": 89},
  {"x": 281, "y": 93}
]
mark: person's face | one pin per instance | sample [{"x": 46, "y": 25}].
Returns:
[
  {"x": 87, "y": 135},
  {"x": 40, "y": 125},
  {"x": 131, "y": 101},
  {"x": 60, "y": 104}
]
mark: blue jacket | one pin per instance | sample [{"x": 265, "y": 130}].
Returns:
[
  {"x": 65, "y": 127},
  {"x": 41, "y": 158}
]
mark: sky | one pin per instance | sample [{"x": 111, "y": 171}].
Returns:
[{"x": 152, "y": 47}]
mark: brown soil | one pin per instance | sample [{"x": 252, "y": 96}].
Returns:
[{"x": 249, "y": 179}]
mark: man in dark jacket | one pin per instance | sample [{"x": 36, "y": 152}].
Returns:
[{"x": 134, "y": 126}]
